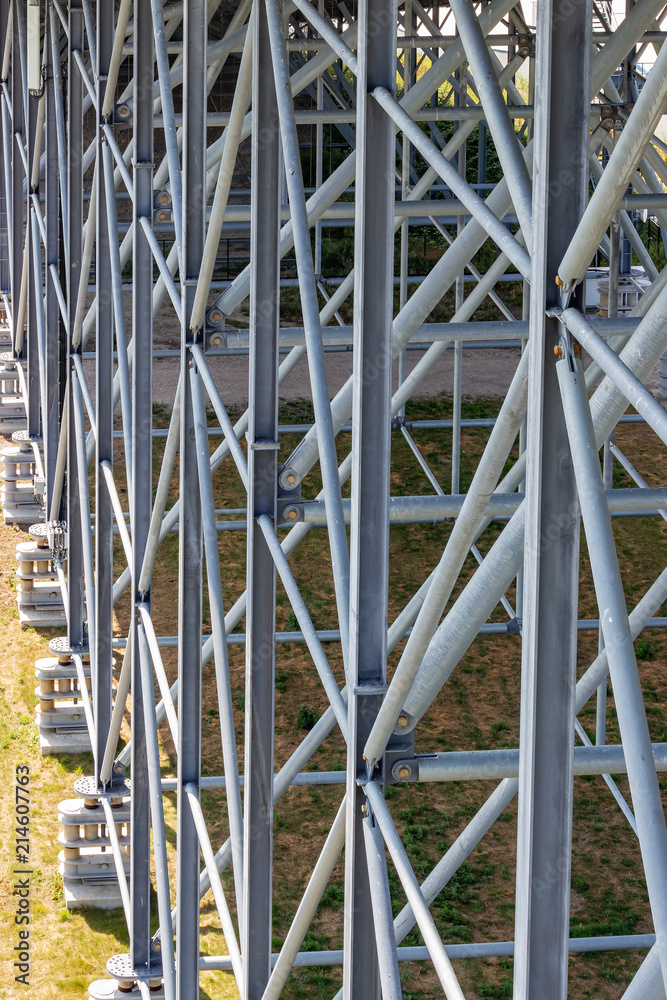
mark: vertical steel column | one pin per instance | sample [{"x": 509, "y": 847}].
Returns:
[
  {"x": 371, "y": 420},
  {"x": 51, "y": 310},
  {"x": 142, "y": 485},
  {"x": 409, "y": 66},
  {"x": 319, "y": 156},
  {"x": 460, "y": 100},
  {"x": 102, "y": 654},
  {"x": 34, "y": 281},
  {"x": 5, "y": 215},
  {"x": 262, "y": 477},
  {"x": 17, "y": 127},
  {"x": 190, "y": 533},
  {"x": 74, "y": 223},
  {"x": 552, "y": 521}
]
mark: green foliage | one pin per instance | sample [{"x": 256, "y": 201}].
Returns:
[
  {"x": 334, "y": 894},
  {"x": 306, "y": 717},
  {"x": 493, "y": 991},
  {"x": 282, "y": 678}
]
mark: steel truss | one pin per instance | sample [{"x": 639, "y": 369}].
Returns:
[{"x": 130, "y": 71}]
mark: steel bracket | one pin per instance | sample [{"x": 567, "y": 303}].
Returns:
[
  {"x": 162, "y": 199},
  {"x": 526, "y": 47},
  {"x": 288, "y": 496},
  {"x": 613, "y": 116},
  {"x": 56, "y": 533},
  {"x": 122, "y": 115},
  {"x": 121, "y": 969},
  {"x": 87, "y": 787},
  {"x": 398, "y": 767},
  {"x": 60, "y": 647},
  {"x": 289, "y": 512},
  {"x": 214, "y": 328},
  {"x": 398, "y": 761}
]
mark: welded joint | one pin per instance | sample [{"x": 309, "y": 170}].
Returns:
[
  {"x": 370, "y": 687},
  {"x": 262, "y": 444}
]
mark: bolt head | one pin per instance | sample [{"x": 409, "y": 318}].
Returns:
[
  {"x": 402, "y": 721},
  {"x": 292, "y": 515}
]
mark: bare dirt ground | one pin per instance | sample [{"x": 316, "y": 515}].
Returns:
[{"x": 485, "y": 374}]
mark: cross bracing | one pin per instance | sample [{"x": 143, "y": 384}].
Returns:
[{"x": 121, "y": 175}]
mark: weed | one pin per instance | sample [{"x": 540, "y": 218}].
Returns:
[{"x": 306, "y": 717}]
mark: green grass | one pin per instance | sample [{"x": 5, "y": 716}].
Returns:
[{"x": 477, "y": 709}]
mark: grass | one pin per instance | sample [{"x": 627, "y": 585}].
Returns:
[{"x": 477, "y": 709}]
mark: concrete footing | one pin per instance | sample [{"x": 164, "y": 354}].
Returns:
[
  {"x": 38, "y": 594},
  {"x": 86, "y": 862},
  {"x": 17, "y": 493}
]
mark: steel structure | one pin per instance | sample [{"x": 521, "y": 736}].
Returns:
[{"x": 85, "y": 88}]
